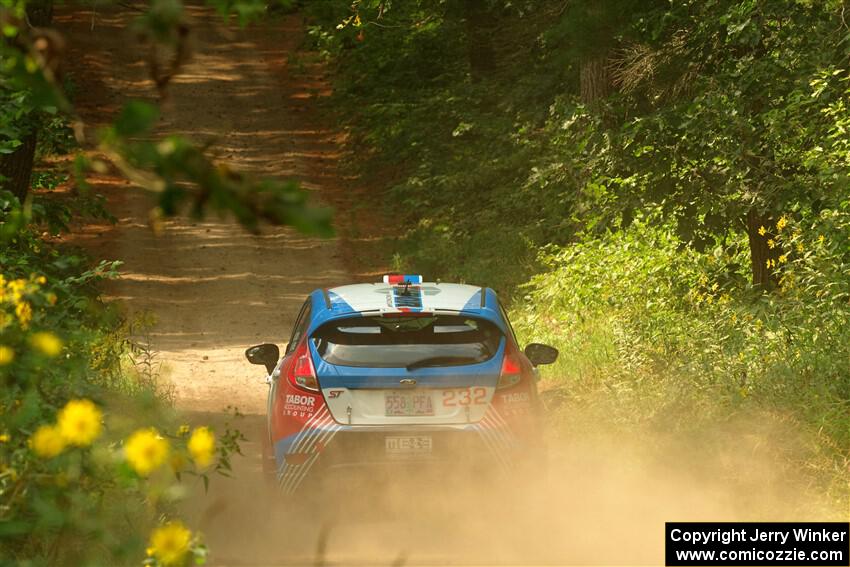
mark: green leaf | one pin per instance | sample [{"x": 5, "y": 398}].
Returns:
[{"x": 136, "y": 118}]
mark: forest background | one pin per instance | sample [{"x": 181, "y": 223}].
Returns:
[{"x": 660, "y": 189}]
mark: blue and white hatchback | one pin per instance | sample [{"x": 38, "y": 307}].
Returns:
[{"x": 400, "y": 373}]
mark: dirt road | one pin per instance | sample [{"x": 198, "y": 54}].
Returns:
[{"x": 212, "y": 288}]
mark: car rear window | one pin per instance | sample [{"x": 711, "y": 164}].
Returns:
[{"x": 388, "y": 342}]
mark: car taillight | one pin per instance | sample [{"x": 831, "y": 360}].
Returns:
[
  {"x": 303, "y": 375},
  {"x": 511, "y": 373}
]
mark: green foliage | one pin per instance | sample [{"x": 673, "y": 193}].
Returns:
[
  {"x": 629, "y": 215},
  {"x": 658, "y": 327},
  {"x": 85, "y": 500}
]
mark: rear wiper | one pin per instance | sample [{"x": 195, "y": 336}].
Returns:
[{"x": 438, "y": 360}]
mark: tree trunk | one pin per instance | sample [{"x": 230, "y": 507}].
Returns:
[
  {"x": 480, "y": 27},
  {"x": 17, "y": 167},
  {"x": 595, "y": 80},
  {"x": 763, "y": 258}
]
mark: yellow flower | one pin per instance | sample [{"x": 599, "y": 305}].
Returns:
[
  {"x": 145, "y": 450},
  {"x": 7, "y": 355},
  {"x": 783, "y": 258},
  {"x": 24, "y": 312},
  {"x": 202, "y": 446},
  {"x": 820, "y": 239},
  {"x": 183, "y": 430},
  {"x": 170, "y": 543},
  {"x": 47, "y": 441},
  {"x": 762, "y": 230},
  {"x": 4, "y": 437},
  {"x": 771, "y": 244},
  {"x": 79, "y": 422},
  {"x": 799, "y": 247},
  {"x": 781, "y": 223},
  {"x": 16, "y": 289},
  {"x": 41, "y": 280},
  {"x": 47, "y": 343}
]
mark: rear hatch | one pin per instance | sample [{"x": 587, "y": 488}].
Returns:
[{"x": 426, "y": 369}]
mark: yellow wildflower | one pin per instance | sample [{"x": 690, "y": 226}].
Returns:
[
  {"x": 781, "y": 223},
  {"x": 16, "y": 289},
  {"x": 799, "y": 247},
  {"x": 183, "y": 430},
  {"x": 41, "y": 280},
  {"x": 734, "y": 318},
  {"x": 771, "y": 244},
  {"x": 47, "y": 441},
  {"x": 23, "y": 310},
  {"x": 783, "y": 258},
  {"x": 47, "y": 343},
  {"x": 7, "y": 355},
  {"x": 170, "y": 543},
  {"x": 79, "y": 422},
  {"x": 202, "y": 446},
  {"x": 145, "y": 451},
  {"x": 4, "y": 437},
  {"x": 821, "y": 239},
  {"x": 762, "y": 230}
]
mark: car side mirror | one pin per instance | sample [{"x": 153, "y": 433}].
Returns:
[
  {"x": 541, "y": 354},
  {"x": 266, "y": 354}
]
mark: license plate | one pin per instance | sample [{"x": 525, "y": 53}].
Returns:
[
  {"x": 400, "y": 445},
  {"x": 408, "y": 404}
]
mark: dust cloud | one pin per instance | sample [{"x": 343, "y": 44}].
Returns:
[{"x": 603, "y": 500}]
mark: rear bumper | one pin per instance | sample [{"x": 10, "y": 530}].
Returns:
[{"x": 375, "y": 452}]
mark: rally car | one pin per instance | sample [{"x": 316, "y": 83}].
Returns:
[{"x": 400, "y": 373}]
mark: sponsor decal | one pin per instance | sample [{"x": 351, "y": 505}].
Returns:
[
  {"x": 298, "y": 405},
  {"x": 515, "y": 404},
  {"x": 335, "y": 393},
  {"x": 519, "y": 398}
]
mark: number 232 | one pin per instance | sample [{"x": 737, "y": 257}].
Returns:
[{"x": 468, "y": 396}]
